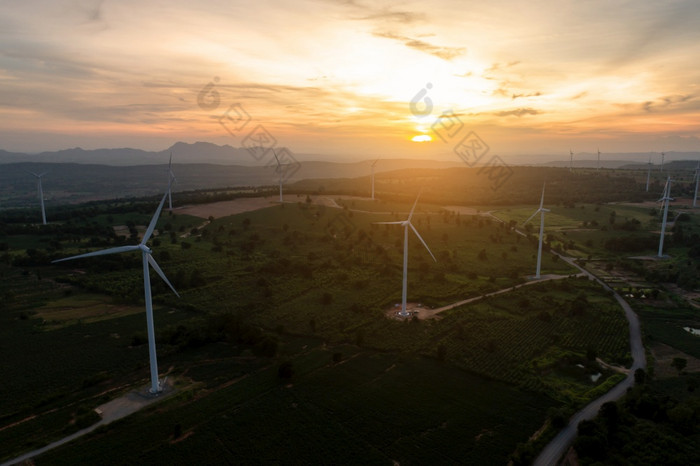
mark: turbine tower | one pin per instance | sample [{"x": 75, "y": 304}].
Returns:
[
  {"x": 41, "y": 194},
  {"x": 171, "y": 178},
  {"x": 540, "y": 211},
  {"x": 663, "y": 156},
  {"x": 648, "y": 173},
  {"x": 373, "y": 164},
  {"x": 147, "y": 259},
  {"x": 279, "y": 170},
  {"x": 665, "y": 198},
  {"x": 598, "y": 166},
  {"x": 697, "y": 179},
  {"x": 406, "y": 224},
  {"x": 571, "y": 160}
]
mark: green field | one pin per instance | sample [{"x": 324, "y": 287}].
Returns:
[{"x": 312, "y": 285}]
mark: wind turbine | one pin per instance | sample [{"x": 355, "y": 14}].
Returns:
[
  {"x": 663, "y": 155},
  {"x": 147, "y": 259},
  {"x": 571, "y": 160},
  {"x": 665, "y": 198},
  {"x": 598, "y": 166},
  {"x": 41, "y": 194},
  {"x": 373, "y": 164},
  {"x": 540, "y": 211},
  {"x": 171, "y": 178},
  {"x": 406, "y": 224},
  {"x": 648, "y": 172},
  {"x": 697, "y": 179},
  {"x": 279, "y": 170}
]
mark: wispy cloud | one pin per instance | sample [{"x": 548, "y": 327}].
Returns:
[
  {"x": 518, "y": 112},
  {"x": 446, "y": 53}
]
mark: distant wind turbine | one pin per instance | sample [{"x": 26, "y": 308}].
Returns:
[
  {"x": 41, "y": 193},
  {"x": 665, "y": 199},
  {"x": 406, "y": 224},
  {"x": 541, "y": 210},
  {"x": 171, "y": 179},
  {"x": 373, "y": 164},
  {"x": 648, "y": 173},
  {"x": 147, "y": 259},
  {"x": 697, "y": 179},
  {"x": 279, "y": 170},
  {"x": 598, "y": 166},
  {"x": 663, "y": 156},
  {"x": 571, "y": 160}
]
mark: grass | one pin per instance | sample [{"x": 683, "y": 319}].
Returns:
[
  {"x": 309, "y": 273},
  {"x": 371, "y": 408}
]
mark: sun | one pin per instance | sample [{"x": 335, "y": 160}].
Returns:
[{"x": 421, "y": 138}]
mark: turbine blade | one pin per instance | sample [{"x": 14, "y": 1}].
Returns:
[
  {"x": 531, "y": 217},
  {"x": 275, "y": 154},
  {"x": 414, "y": 206},
  {"x": 542, "y": 198},
  {"x": 421, "y": 240},
  {"x": 32, "y": 173},
  {"x": 388, "y": 223},
  {"x": 375, "y": 162},
  {"x": 170, "y": 162},
  {"x": 158, "y": 270},
  {"x": 154, "y": 220},
  {"x": 99, "y": 253}
]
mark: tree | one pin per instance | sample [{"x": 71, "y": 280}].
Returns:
[
  {"x": 441, "y": 352},
  {"x": 640, "y": 376},
  {"x": 679, "y": 363},
  {"x": 285, "y": 371}
]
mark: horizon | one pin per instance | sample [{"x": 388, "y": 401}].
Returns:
[
  {"x": 515, "y": 159},
  {"x": 344, "y": 78}
]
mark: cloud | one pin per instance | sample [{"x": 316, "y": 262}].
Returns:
[
  {"x": 666, "y": 103},
  {"x": 534, "y": 94},
  {"x": 446, "y": 53},
  {"x": 518, "y": 112},
  {"x": 402, "y": 17}
]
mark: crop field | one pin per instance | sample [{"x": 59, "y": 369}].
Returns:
[
  {"x": 664, "y": 323},
  {"x": 304, "y": 282},
  {"x": 370, "y": 408}
]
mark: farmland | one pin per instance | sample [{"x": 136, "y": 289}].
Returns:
[{"x": 309, "y": 286}]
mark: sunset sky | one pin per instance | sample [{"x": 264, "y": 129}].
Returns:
[{"x": 337, "y": 78}]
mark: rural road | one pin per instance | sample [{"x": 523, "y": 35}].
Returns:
[
  {"x": 424, "y": 314},
  {"x": 555, "y": 449},
  {"x": 111, "y": 411}
]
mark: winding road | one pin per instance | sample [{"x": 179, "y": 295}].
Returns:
[{"x": 555, "y": 449}]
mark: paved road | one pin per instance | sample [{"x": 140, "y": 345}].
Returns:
[
  {"x": 559, "y": 445},
  {"x": 111, "y": 411}
]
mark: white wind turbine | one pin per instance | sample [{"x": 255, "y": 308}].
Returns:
[
  {"x": 541, "y": 210},
  {"x": 171, "y": 178},
  {"x": 147, "y": 259},
  {"x": 279, "y": 170},
  {"x": 665, "y": 199},
  {"x": 373, "y": 164},
  {"x": 697, "y": 179},
  {"x": 406, "y": 224},
  {"x": 41, "y": 193},
  {"x": 571, "y": 160},
  {"x": 648, "y": 173}
]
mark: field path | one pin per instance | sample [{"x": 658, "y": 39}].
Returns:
[
  {"x": 110, "y": 411},
  {"x": 430, "y": 313}
]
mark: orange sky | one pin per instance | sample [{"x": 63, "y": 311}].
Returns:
[{"x": 337, "y": 78}]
